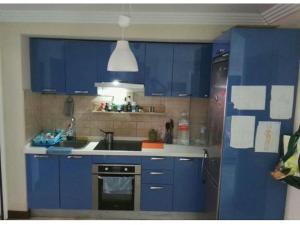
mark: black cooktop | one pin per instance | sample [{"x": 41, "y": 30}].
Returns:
[{"x": 120, "y": 146}]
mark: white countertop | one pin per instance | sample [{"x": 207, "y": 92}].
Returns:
[{"x": 169, "y": 150}]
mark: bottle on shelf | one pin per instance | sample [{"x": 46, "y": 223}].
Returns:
[{"x": 183, "y": 130}]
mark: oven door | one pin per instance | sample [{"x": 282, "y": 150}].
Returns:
[{"x": 116, "y": 192}]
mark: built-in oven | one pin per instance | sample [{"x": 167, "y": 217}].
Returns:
[{"x": 116, "y": 187}]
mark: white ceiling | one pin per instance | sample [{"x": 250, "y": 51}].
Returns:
[
  {"x": 211, "y": 14},
  {"x": 184, "y": 8}
]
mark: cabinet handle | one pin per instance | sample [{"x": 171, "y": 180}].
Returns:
[
  {"x": 183, "y": 95},
  {"x": 156, "y": 173},
  {"x": 81, "y": 92},
  {"x": 48, "y": 90},
  {"x": 156, "y": 188},
  {"x": 157, "y": 94},
  {"x": 157, "y": 158},
  {"x": 74, "y": 157},
  {"x": 41, "y": 156},
  {"x": 185, "y": 159}
]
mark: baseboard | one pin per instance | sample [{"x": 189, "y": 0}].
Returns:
[
  {"x": 42, "y": 214},
  {"x": 18, "y": 215}
]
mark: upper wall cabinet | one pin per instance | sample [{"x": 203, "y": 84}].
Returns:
[
  {"x": 138, "y": 49},
  {"x": 83, "y": 65},
  {"x": 191, "y": 70},
  {"x": 158, "y": 69},
  {"x": 47, "y": 65}
]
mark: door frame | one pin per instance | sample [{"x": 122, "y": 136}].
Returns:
[{"x": 3, "y": 194}]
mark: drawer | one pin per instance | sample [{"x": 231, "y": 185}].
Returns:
[
  {"x": 157, "y": 176},
  {"x": 156, "y": 197},
  {"x": 117, "y": 159},
  {"x": 157, "y": 162}
]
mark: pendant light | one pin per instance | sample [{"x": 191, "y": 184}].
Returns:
[{"x": 122, "y": 58}]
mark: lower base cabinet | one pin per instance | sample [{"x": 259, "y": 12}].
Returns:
[
  {"x": 156, "y": 197},
  {"x": 188, "y": 186},
  {"x": 75, "y": 182},
  {"x": 168, "y": 183},
  {"x": 42, "y": 181}
]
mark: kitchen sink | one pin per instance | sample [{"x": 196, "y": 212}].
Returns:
[
  {"x": 119, "y": 145},
  {"x": 74, "y": 143}
]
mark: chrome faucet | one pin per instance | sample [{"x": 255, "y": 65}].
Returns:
[{"x": 71, "y": 130}]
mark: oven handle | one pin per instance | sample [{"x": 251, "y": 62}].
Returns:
[{"x": 105, "y": 174}]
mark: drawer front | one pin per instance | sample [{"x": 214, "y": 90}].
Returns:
[
  {"x": 156, "y": 197},
  {"x": 157, "y": 162},
  {"x": 117, "y": 159},
  {"x": 157, "y": 176}
]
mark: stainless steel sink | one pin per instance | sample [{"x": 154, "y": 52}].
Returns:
[{"x": 74, "y": 143}]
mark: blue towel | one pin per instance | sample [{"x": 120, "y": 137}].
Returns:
[{"x": 59, "y": 150}]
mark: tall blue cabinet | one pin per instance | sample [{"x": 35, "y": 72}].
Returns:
[{"x": 256, "y": 57}]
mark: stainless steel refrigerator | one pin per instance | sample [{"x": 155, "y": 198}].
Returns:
[{"x": 212, "y": 158}]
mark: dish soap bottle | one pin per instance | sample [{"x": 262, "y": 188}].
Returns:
[{"x": 183, "y": 130}]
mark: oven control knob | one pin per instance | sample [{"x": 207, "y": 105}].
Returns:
[
  {"x": 106, "y": 169},
  {"x": 125, "y": 169}
]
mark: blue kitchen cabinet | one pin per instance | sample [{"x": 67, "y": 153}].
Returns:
[
  {"x": 83, "y": 66},
  {"x": 220, "y": 49},
  {"x": 138, "y": 49},
  {"x": 156, "y": 197},
  {"x": 191, "y": 70},
  {"x": 188, "y": 187},
  {"x": 257, "y": 57},
  {"x": 75, "y": 182},
  {"x": 158, "y": 69},
  {"x": 42, "y": 181},
  {"x": 47, "y": 64}
]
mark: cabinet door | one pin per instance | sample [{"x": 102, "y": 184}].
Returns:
[
  {"x": 47, "y": 65},
  {"x": 188, "y": 187},
  {"x": 201, "y": 77},
  {"x": 42, "y": 181},
  {"x": 138, "y": 49},
  {"x": 158, "y": 69},
  {"x": 186, "y": 66},
  {"x": 83, "y": 63},
  {"x": 75, "y": 182},
  {"x": 156, "y": 197}
]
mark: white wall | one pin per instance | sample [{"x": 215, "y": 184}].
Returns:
[
  {"x": 3, "y": 157},
  {"x": 15, "y": 73},
  {"x": 293, "y": 195}
]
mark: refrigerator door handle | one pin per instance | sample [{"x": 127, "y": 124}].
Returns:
[{"x": 205, "y": 157}]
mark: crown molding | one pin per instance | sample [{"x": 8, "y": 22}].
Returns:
[
  {"x": 279, "y": 11},
  {"x": 136, "y": 17}
]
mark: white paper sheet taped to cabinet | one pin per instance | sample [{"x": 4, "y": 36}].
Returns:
[
  {"x": 282, "y": 98},
  {"x": 267, "y": 137},
  {"x": 242, "y": 131},
  {"x": 248, "y": 97}
]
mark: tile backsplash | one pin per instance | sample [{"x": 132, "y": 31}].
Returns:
[{"x": 46, "y": 112}]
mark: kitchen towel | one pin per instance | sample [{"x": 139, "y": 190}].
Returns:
[{"x": 59, "y": 150}]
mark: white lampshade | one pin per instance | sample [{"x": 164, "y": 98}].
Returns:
[{"x": 122, "y": 59}]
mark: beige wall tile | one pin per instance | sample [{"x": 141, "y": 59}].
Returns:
[{"x": 47, "y": 112}]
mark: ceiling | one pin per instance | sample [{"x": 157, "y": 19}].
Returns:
[
  {"x": 184, "y": 8},
  {"x": 212, "y": 14}
]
